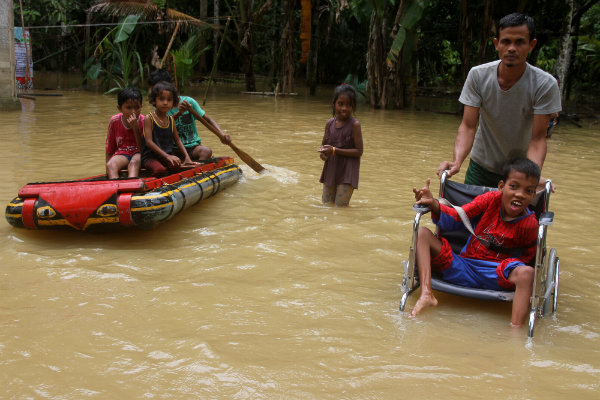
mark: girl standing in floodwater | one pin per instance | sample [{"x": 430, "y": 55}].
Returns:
[{"x": 341, "y": 149}]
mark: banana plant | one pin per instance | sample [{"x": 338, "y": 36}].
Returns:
[
  {"x": 409, "y": 18},
  {"x": 186, "y": 58},
  {"x": 115, "y": 59}
]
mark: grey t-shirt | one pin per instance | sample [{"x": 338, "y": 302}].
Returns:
[{"x": 506, "y": 116}]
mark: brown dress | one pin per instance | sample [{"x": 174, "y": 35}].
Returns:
[{"x": 339, "y": 169}]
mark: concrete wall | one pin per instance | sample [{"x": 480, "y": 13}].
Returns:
[{"x": 8, "y": 95}]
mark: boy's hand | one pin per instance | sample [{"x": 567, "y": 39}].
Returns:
[
  {"x": 225, "y": 139},
  {"x": 542, "y": 185},
  {"x": 184, "y": 106},
  {"x": 424, "y": 196},
  {"x": 132, "y": 121}
]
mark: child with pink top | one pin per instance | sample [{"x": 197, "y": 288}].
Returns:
[{"x": 123, "y": 141}]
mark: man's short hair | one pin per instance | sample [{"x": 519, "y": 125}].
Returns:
[{"x": 518, "y": 19}]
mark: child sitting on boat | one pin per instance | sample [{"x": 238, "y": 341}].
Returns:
[
  {"x": 498, "y": 253},
  {"x": 185, "y": 120},
  {"x": 123, "y": 139},
  {"x": 160, "y": 133}
]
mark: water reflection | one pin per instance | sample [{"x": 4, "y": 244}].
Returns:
[{"x": 261, "y": 291}]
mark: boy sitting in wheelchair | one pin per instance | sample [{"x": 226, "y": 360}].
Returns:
[{"x": 501, "y": 249}]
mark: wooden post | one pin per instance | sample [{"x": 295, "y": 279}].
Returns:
[
  {"x": 8, "y": 91},
  {"x": 27, "y": 72},
  {"x": 170, "y": 43},
  {"x": 214, "y": 67}
]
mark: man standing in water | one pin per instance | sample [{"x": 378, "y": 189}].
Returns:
[{"x": 507, "y": 106}]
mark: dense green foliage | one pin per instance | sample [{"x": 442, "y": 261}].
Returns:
[
  {"x": 447, "y": 41},
  {"x": 116, "y": 60}
]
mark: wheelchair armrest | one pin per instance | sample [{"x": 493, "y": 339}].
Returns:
[
  {"x": 546, "y": 218},
  {"x": 420, "y": 208}
]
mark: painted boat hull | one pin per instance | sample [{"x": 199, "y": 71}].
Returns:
[{"x": 97, "y": 204}]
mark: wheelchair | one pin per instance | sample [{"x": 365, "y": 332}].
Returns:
[{"x": 544, "y": 299}]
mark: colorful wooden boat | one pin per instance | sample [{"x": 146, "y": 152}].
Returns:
[{"x": 99, "y": 204}]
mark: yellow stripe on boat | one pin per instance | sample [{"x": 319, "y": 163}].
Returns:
[
  {"x": 152, "y": 207},
  {"x": 101, "y": 220}
]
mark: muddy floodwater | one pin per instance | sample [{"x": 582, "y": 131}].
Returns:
[{"x": 261, "y": 292}]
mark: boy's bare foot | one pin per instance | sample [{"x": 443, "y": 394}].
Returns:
[{"x": 426, "y": 300}]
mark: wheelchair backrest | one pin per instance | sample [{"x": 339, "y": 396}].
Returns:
[{"x": 460, "y": 194}]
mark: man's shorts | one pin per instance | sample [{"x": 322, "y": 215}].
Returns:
[
  {"x": 473, "y": 273},
  {"x": 477, "y": 175}
]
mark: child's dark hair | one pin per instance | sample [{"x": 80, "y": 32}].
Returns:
[
  {"x": 524, "y": 165},
  {"x": 128, "y": 94},
  {"x": 349, "y": 91},
  {"x": 159, "y": 75},
  {"x": 160, "y": 87}
]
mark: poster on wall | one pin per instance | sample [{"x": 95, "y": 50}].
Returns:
[{"x": 23, "y": 74}]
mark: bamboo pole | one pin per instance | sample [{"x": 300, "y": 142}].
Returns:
[
  {"x": 216, "y": 60},
  {"x": 170, "y": 43}
]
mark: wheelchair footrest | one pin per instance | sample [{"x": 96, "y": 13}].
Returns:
[{"x": 481, "y": 294}]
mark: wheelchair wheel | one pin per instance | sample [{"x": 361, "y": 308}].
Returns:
[{"x": 551, "y": 290}]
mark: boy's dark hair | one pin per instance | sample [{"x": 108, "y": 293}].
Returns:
[
  {"x": 128, "y": 94},
  {"x": 160, "y": 75},
  {"x": 349, "y": 91},
  {"x": 524, "y": 165},
  {"x": 160, "y": 87},
  {"x": 518, "y": 19}
]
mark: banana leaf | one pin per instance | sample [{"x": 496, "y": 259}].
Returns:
[
  {"x": 126, "y": 26},
  {"x": 409, "y": 19}
]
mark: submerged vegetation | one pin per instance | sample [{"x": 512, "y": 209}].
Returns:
[{"x": 390, "y": 48}]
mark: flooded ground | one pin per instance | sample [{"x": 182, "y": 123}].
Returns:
[{"x": 261, "y": 292}]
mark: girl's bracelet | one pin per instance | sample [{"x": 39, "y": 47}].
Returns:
[{"x": 333, "y": 152}]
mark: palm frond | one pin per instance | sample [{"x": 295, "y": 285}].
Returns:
[{"x": 148, "y": 11}]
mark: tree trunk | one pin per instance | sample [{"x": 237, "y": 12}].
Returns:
[
  {"x": 248, "y": 68},
  {"x": 312, "y": 63},
  {"x": 374, "y": 57},
  {"x": 88, "y": 21},
  {"x": 216, "y": 35},
  {"x": 561, "y": 66},
  {"x": 202, "y": 41},
  {"x": 386, "y": 78},
  {"x": 485, "y": 35},
  {"x": 247, "y": 18},
  {"x": 465, "y": 38},
  {"x": 247, "y": 55},
  {"x": 287, "y": 46},
  {"x": 579, "y": 11}
]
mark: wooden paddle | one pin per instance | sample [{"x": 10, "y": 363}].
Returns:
[{"x": 252, "y": 163}]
